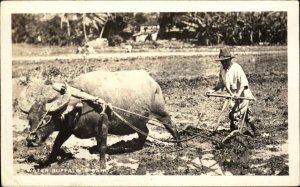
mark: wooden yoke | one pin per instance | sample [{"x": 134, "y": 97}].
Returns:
[
  {"x": 76, "y": 92},
  {"x": 106, "y": 108}
]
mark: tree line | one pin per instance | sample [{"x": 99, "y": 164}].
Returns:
[{"x": 206, "y": 28}]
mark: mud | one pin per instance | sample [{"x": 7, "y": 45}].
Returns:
[{"x": 184, "y": 88}]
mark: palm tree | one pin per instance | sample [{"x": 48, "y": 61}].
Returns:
[
  {"x": 85, "y": 21},
  {"x": 101, "y": 19},
  {"x": 65, "y": 18},
  {"x": 96, "y": 20},
  {"x": 201, "y": 22}
]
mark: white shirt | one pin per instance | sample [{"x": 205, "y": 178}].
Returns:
[{"x": 233, "y": 79}]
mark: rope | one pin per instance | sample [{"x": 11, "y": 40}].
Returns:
[
  {"x": 168, "y": 141},
  {"x": 146, "y": 134},
  {"x": 153, "y": 119},
  {"x": 41, "y": 121}
]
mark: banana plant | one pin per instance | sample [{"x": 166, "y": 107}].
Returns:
[{"x": 96, "y": 20}]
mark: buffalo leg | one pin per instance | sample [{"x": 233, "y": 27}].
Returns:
[
  {"x": 101, "y": 138},
  {"x": 165, "y": 118},
  {"x": 130, "y": 146},
  {"x": 142, "y": 138},
  {"x": 134, "y": 144},
  {"x": 59, "y": 140}
]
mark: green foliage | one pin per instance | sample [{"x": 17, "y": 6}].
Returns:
[
  {"x": 140, "y": 18},
  {"x": 52, "y": 71},
  {"x": 209, "y": 28},
  {"x": 24, "y": 28},
  {"x": 52, "y": 33},
  {"x": 115, "y": 40},
  {"x": 230, "y": 28},
  {"x": 31, "y": 29}
]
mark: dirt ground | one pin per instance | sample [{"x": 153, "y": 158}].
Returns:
[{"x": 184, "y": 81}]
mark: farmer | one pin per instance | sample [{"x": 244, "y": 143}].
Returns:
[{"x": 232, "y": 77}]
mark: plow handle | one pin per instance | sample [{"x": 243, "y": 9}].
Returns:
[{"x": 229, "y": 96}]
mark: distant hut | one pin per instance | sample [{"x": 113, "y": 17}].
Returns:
[{"x": 146, "y": 32}]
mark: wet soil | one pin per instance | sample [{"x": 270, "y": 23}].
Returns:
[{"x": 184, "y": 81}]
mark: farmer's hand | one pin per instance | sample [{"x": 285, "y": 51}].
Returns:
[{"x": 236, "y": 96}]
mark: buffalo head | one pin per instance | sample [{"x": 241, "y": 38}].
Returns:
[{"x": 42, "y": 116}]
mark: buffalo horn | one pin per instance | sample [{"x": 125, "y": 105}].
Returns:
[
  {"x": 60, "y": 101},
  {"x": 24, "y": 104}
]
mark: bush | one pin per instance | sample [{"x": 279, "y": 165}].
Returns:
[
  {"x": 209, "y": 28},
  {"x": 52, "y": 71},
  {"x": 115, "y": 40}
]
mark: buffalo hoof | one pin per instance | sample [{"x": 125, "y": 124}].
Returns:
[
  {"x": 122, "y": 150},
  {"x": 120, "y": 147},
  {"x": 94, "y": 150},
  {"x": 65, "y": 157},
  {"x": 62, "y": 153},
  {"x": 44, "y": 163}
]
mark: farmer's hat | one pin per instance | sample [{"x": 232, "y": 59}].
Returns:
[{"x": 224, "y": 55}]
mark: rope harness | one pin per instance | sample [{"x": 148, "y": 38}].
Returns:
[
  {"x": 103, "y": 105},
  {"x": 146, "y": 134},
  {"x": 42, "y": 123}
]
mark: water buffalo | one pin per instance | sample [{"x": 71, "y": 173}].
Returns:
[{"x": 135, "y": 91}]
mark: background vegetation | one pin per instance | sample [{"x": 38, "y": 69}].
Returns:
[{"x": 204, "y": 28}]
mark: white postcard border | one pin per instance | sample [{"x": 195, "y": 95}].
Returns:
[{"x": 7, "y": 8}]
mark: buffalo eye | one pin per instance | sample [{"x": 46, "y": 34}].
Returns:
[{"x": 47, "y": 119}]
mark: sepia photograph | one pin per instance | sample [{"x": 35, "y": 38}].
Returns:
[{"x": 141, "y": 94}]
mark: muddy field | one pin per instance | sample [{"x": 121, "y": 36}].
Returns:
[{"x": 184, "y": 81}]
